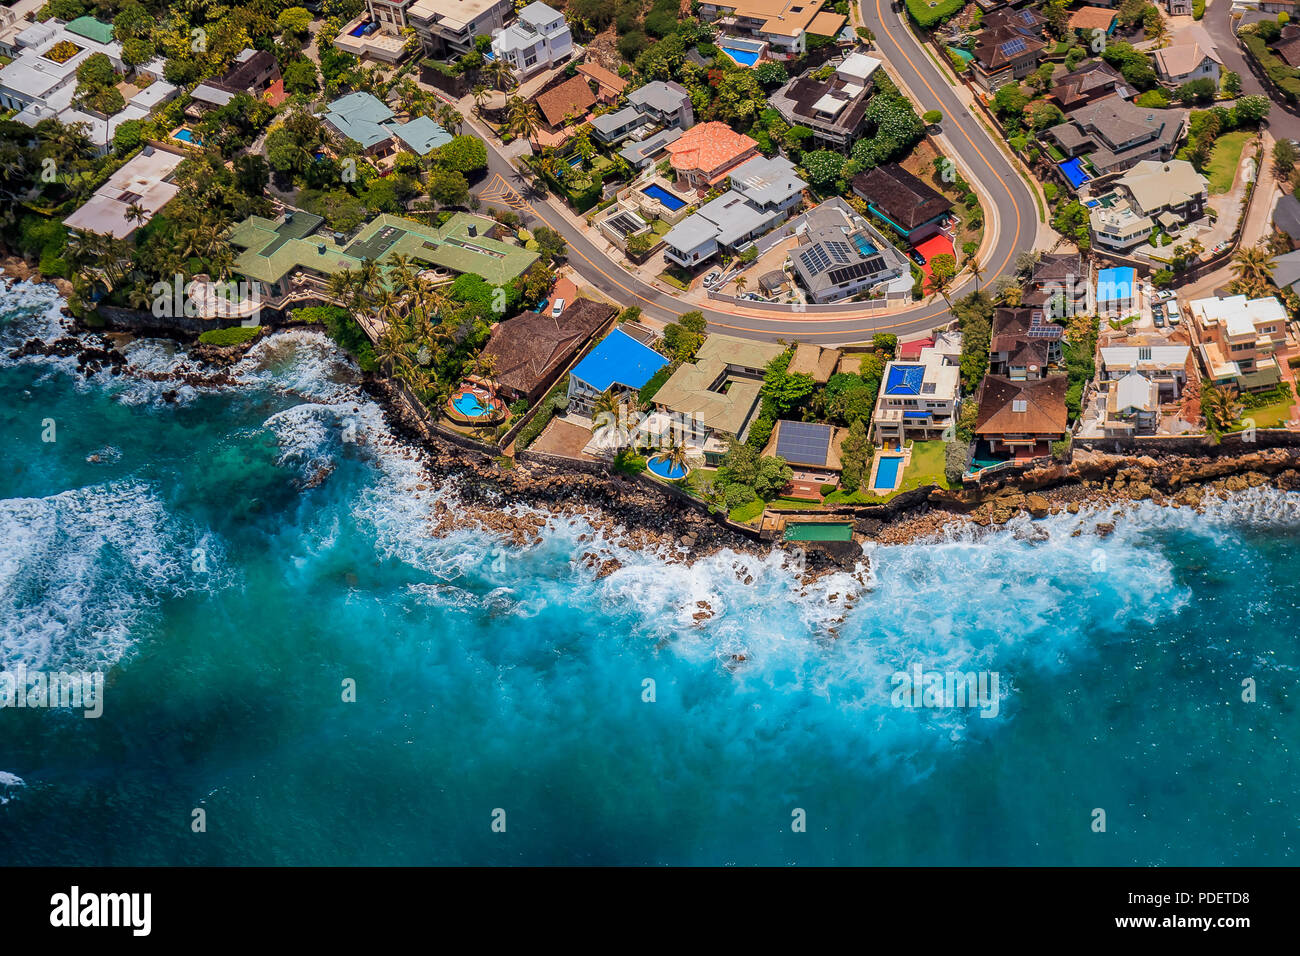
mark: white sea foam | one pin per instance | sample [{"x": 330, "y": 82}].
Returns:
[
  {"x": 8, "y": 783},
  {"x": 81, "y": 571}
]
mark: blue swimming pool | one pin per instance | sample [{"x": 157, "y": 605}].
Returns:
[
  {"x": 670, "y": 202},
  {"x": 743, "y": 57},
  {"x": 185, "y": 135},
  {"x": 864, "y": 247},
  {"x": 887, "y": 473},
  {"x": 359, "y": 30},
  {"x": 662, "y": 467},
  {"x": 468, "y": 404},
  {"x": 1073, "y": 170}
]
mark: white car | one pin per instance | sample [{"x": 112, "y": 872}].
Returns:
[
  {"x": 1171, "y": 312},
  {"x": 557, "y": 308}
]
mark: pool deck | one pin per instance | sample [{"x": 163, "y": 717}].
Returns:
[{"x": 875, "y": 467}]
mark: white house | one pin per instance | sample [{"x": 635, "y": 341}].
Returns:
[
  {"x": 762, "y": 193},
  {"x": 539, "y": 39},
  {"x": 41, "y": 82},
  {"x": 1176, "y": 65},
  {"x": 917, "y": 398}
]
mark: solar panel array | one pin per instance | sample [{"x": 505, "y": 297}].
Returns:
[
  {"x": 804, "y": 442},
  {"x": 1012, "y": 47},
  {"x": 858, "y": 270}
]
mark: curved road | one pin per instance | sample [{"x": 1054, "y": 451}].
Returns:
[{"x": 1009, "y": 206}]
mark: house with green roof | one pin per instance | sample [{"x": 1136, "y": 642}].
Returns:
[
  {"x": 274, "y": 251},
  {"x": 91, "y": 29},
  {"x": 368, "y": 120}
]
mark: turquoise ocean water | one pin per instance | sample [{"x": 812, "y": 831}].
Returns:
[{"x": 229, "y": 603}]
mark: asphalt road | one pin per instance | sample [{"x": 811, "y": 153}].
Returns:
[
  {"x": 1010, "y": 212},
  {"x": 1282, "y": 124}
]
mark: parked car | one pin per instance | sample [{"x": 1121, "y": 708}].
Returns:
[
  {"x": 1157, "y": 313},
  {"x": 1219, "y": 247},
  {"x": 1172, "y": 310},
  {"x": 557, "y": 308},
  {"x": 1167, "y": 293},
  {"x": 916, "y": 257},
  {"x": 712, "y": 278}
]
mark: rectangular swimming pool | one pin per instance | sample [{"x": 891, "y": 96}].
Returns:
[
  {"x": 819, "y": 531},
  {"x": 864, "y": 247},
  {"x": 668, "y": 200},
  {"x": 887, "y": 473}
]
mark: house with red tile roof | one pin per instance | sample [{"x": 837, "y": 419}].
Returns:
[{"x": 705, "y": 154}]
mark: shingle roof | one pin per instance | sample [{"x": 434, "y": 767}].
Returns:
[
  {"x": 529, "y": 347},
  {"x": 573, "y": 97},
  {"x": 904, "y": 199},
  {"x": 1286, "y": 216},
  {"x": 1077, "y": 87},
  {"x": 1092, "y": 18},
  {"x": 603, "y": 76},
  {"x": 1043, "y": 412},
  {"x": 814, "y": 360}
]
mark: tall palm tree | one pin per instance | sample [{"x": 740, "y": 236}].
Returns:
[
  {"x": 676, "y": 455},
  {"x": 522, "y": 117},
  {"x": 1253, "y": 267},
  {"x": 501, "y": 75},
  {"x": 975, "y": 269},
  {"x": 1220, "y": 406},
  {"x": 741, "y": 282},
  {"x": 479, "y": 93}
]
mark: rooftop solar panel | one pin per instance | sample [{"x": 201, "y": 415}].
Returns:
[
  {"x": 1012, "y": 47},
  {"x": 804, "y": 442}
]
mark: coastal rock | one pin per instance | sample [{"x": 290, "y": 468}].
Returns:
[
  {"x": 1072, "y": 507},
  {"x": 1037, "y": 505},
  {"x": 608, "y": 567},
  {"x": 1105, "y": 529}
]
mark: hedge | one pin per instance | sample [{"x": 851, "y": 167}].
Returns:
[
  {"x": 1286, "y": 79},
  {"x": 557, "y": 396},
  {"x": 235, "y": 335},
  {"x": 927, "y": 16}
]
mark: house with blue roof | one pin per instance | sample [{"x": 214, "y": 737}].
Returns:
[
  {"x": 368, "y": 120},
  {"x": 1117, "y": 292},
  {"x": 918, "y": 399},
  {"x": 618, "y": 362}
]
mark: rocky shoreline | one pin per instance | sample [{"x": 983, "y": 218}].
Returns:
[{"x": 516, "y": 502}]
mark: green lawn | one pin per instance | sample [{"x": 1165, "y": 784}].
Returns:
[
  {"x": 1224, "y": 159},
  {"x": 1268, "y": 416},
  {"x": 668, "y": 276},
  {"x": 660, "y": 228}
]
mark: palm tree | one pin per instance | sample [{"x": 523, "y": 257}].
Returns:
[
  {"x": 136, "y": 213},
  {"x": 741, "y": 282},
  {"x": 975, "y": 269},
  {"x": 522, "y": 117},
  {"x": 676, "y": 455},
  {"x": 1220, "y": 406},
  {"x": 450, "y": 118},
  {"x": 499, "y": 72},
  {"x": 941, "y": 285},
  {"x": 479, "y": 93},
  {"x": 1253, "y": 267}
]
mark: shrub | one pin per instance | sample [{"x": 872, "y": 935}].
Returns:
[
  {"x": 235, "y": 335},
  {"x": 955, "y": 456},
  {"x": 827, "y": 489},
  {"x": 629, "y": 462}
]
